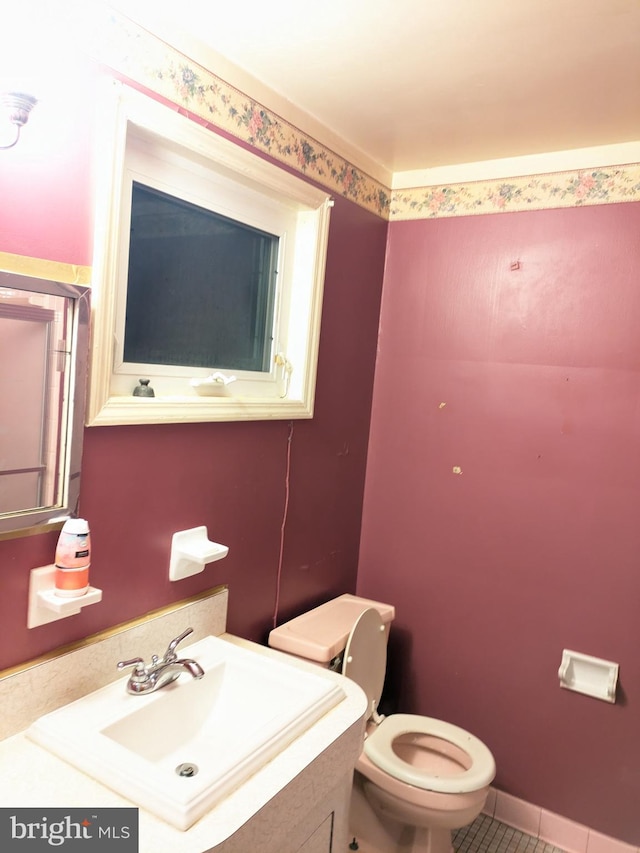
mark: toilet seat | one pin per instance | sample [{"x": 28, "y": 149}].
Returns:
[
  {"x": 378, "y": 748},
  {"x": 365, "y": 659}
]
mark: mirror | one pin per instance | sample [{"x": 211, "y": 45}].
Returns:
[{"x": 44, "y": 339}]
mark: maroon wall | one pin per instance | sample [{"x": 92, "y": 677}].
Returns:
[
  {"x": 510, "y": 349},
  {"x": 140, "y": 484}
]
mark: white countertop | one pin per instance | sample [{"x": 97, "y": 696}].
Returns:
[{"x": 289, "y": 784}]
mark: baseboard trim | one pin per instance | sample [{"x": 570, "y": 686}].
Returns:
[{"x": 549, "y": 827}]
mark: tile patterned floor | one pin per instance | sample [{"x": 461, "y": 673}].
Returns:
[{"x": 486, "y": 835}]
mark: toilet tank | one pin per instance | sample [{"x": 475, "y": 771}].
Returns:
[{"x": 320, "y": 635}]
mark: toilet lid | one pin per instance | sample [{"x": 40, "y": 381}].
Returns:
[
  {"x": 379, "y": 749},
  {"x": 365, "y": 656}
]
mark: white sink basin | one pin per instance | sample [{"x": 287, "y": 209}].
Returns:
[{"x": 227, "y": 725}]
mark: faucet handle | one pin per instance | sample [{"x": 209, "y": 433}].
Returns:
[
  {"x": 136, "y": 663},
  {"x": 170, "y": 654}
]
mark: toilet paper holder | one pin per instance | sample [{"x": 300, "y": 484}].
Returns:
[{"x": 592, "y": 676}]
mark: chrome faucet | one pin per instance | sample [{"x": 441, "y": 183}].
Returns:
[{"x": 146, "y": 678}]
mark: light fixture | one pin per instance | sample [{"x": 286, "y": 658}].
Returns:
[{"x": 17, "y": 105}]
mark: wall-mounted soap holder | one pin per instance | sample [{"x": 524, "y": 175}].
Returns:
[
  {"x": 191, "y": 550},
  {"x": 45, "y": 606},
  {"x": 591, "y": 676}
]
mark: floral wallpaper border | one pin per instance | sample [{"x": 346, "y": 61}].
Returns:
[
  {"x": 605, "y": 185},
  {"x": 145, "y": 59},
  {"x": 135, "y": 53}
]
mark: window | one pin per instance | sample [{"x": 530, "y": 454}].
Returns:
[
  {"x": 182, "y": 257},
  {"x": 209, "y": 276}
]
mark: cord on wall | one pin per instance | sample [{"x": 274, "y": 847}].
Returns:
[{"x": 284, "y": 523}]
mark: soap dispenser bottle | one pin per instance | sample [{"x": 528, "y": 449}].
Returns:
[{"x": 73, "y": 558}]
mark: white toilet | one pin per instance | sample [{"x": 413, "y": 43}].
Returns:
[{"x": 417, "y": 778}]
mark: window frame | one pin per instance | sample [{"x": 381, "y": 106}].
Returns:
[{"x": 246, "y": 183}]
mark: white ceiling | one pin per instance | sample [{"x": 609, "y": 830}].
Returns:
[{"x": 421, "y": 83}]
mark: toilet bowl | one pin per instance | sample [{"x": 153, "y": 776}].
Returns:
[{"x": 417, "y": 777}]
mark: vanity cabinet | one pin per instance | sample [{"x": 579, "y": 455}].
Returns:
[
  {"x": 309, "y": 782},
  {"x": 322, "y": 820},
  {"x": 321, "y": 840}
]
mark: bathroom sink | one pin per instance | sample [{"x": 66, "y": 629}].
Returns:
[{"x": 180, "y": 750}]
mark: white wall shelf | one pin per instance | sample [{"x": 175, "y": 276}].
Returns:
[
  {"x": 191, "y": 550},
  {"x": 45, "y": 606}
]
